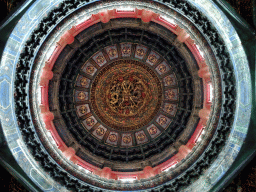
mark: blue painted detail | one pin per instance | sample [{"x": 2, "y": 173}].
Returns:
[
  {"x": 232, "y": 32},
  {"x": 22, "y": 27},
  {"x": 53, "y": 189},
  {"x": 217, "y": 174},
  {"x": 12, "y": 137},
  {"x": 23, "y": 161},
  {"x": 239, "y": 135},
  {"x": 16, "y": 38},
  {"x": 15, "y": 150},
  {"x": 229, "y": 149},
  {"x": 10, "y": 51},
  {"x": 4, "y": 94},
  {"x": 232, "y": 145},
  {"x": 244, "y": 93},
  {"x": 238, "y": 148},
  {"x": 232, "y": 38},
  {"x": 9, "y": 63}
]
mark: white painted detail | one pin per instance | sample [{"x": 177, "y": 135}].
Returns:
[
  {"x": 50, "y": 52},
  {"x": 201, "y": 52},
  {"x": 200, "y": 136},
  {"x": 127, "y": 179},
  {"x": 84, "y": 169},
  {"x": 168, "y": 19},
  {"x": 40, "y": 93},
  {"x": 210, "y": 92},
  {"x": 125, "y": 9},
  {"x": 83, "y": 19},
  {"x": 170, "y": 167}
]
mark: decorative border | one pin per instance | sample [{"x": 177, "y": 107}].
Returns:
[{"x": 223, "y": 56}]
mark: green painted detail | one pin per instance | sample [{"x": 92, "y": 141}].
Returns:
[
  {"x": 241, "y": 129},
  {"x": 236, "y": 140}
]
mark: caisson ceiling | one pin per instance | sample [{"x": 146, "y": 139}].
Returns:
[{"x": 125, "y": 95}]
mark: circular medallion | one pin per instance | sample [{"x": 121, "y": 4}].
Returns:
[
  {"x": 162, "y": 68},
  {"x": 112, "y": 52},
  {"x": 90, "y": 121},
  {"x": 84, "y": 81},
  {"x": 127, "y": 139},
  {"x": 152, "y": 130},
  {"x": 140, "y": 52},
  {"x": 90, "y": 69},
  {"x": 126, "y": 50},
  {"x": 83, "y": 109},
  {"x": 168, "y": 80},
  {"x": 81, "y": 95},
  {"x": 141, "y": 137},
  {"x": 126, "y": 95},
  {"x": 100, "y": 131},
  {"x": 112, "y": 138},
  {"x": 152, "y": 58},
  {"x": 162, "y": 120},
  {"x": 170, "y": 94},
  {"x": 100, "y": 59}
]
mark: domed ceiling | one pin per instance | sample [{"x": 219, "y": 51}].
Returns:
[{"x": 126, "y": 95}]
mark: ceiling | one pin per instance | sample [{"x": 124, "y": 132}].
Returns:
[{"x": 142, "y": 97}]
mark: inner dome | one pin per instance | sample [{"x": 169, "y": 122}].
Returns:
[
  {"x": 91, "y": 61},
  {"x": 126, "y": 95}
]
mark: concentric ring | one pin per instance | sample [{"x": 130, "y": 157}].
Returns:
[{"x": 216, "y": 70}]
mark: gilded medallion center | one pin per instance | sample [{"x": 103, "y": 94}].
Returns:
[{"x": 126, "y": 95}]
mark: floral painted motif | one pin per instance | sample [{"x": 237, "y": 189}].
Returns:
[
  {"x": 127, "y": 139},
  {"x": 90, "y": 69},
  {"x": 81, "y": 96},
  {"x": 171, "y": 94},
  {"x": 152, "y": 130},
  {"x": 112, "y": 138},
  {"x": 100, "y": 59},
  {"x": 169, "y": 80},
  {"x": 112, "y": 52},
  {"x": 170, "y": 108},
  {"x": 84, "y": 81},
  {"x": 152, "y": 59},
  {"x": 162, "y": 121},
  {"x": 141, "y": 137},
  {"x": 100, "y": 131},
  {"x": 126, "y": 50},
  {"x": 162, "y": 68},
  {"x": 140, "y": 52},
  {"x": 90, "y": 121},
  {"x": 83, "y": 109}
]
